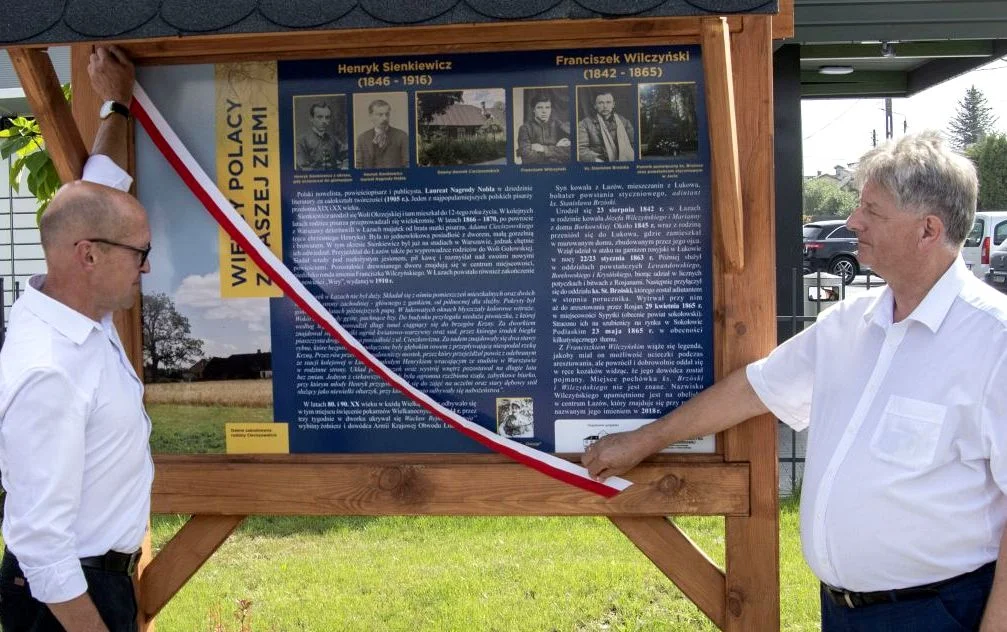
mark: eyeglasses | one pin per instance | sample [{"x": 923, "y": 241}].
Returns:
[{"x": 143, "y": 252}]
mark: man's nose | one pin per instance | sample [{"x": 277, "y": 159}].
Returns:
[{"x": 853, "y": 221}]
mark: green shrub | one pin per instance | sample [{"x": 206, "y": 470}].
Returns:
[{"x": 461, "y": 151}]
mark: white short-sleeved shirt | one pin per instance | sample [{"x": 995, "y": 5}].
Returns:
[
  {"x": 907, "y": 445},
  {"x": 74, "y": 437}
]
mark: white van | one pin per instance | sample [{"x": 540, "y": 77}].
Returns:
[{"x": 988, "y": 231}]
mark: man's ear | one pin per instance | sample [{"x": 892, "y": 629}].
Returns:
[
  {"x": 932, "y": 230},
  {"x": 83, "y": 254}
]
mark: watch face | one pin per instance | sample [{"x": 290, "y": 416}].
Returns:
[{"x": 108, "y": 107}]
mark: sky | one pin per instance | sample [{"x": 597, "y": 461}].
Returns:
[
  {"x": 184, "y": 260},
  {"x": 838, "y": 131}
]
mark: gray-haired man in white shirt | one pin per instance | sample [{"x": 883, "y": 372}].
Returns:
[
  {"x": 74, "y": 449},
  {"x": 903, "y": 503}
]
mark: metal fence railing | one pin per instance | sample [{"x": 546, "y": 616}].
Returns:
[
  {"x": 807, "y": 301},
  {"x": 20, "y": 247}
]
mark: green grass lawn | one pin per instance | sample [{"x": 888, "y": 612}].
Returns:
[
  {"x": 437, "y": 574},
  {"x": 196, "y": 429},
  {"x": 462, "y": 574}
]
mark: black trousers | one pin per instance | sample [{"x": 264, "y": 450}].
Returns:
[
  {"x": 112, "y": 594},
  {"x": 957, "y": 606}
]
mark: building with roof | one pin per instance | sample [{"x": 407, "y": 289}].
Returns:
[{"x": 461, "y": 120}]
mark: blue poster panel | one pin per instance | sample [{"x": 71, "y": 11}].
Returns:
[{"x": 525, "y": 237}]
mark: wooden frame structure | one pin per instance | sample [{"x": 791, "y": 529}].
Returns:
[{"x": 739, "y": 481}]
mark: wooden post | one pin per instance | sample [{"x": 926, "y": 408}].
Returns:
[
  {"x": 746, "y": 331},
  {"x": 194, "y": 543},
  {"x": 722, "y": 121},
  {"x": 41, "y": 86},
  {"x": 681, "y": 561}
]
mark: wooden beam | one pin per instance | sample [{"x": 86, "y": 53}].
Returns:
[
  {"x": 181, "y": 557},
  {"x": 746, "y": 331},
  {"x": 41, "y": 87},
  {"x": 360, "y": 486},
  {"x": 143, "y": 622},
  {"x": 783, "y": 22},
  {"x": 413, "y": 40},
  {"x": 723, "y": 131},
  {"x": 829, "y": 53},
  {"x": 861, "y": 83},
  {"x": 939, "y": 70},
  {"x": 681, "y": 560},
  {"x": 85, "y": 102}
]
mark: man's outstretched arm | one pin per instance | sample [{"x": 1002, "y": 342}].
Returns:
[
  {"x": 723, "y": 405},
  {"x": 112, "y": 76}
]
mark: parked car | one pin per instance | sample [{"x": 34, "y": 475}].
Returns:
[
  {"x": 830, "y": 246},
  {"x": 997, "y": 275},
  {"x": 988, "y": 232}
]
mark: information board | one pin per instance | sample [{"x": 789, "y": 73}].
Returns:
[{"x": 526, "y": 237}]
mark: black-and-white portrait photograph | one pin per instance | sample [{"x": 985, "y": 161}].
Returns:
[
  {"x": 606, "y": 131},
  {"x": 320, "y": 132},
  {"x": 515, "y": 417},
  {"x": 380, "y": 130},
  {"x": 542, "y": 121},
  {"x": 668, "y": 124}
]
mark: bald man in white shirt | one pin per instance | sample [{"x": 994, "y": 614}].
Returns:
[
  {"x": 74, "y": 450},
  {"x": 903, "y": 502}
]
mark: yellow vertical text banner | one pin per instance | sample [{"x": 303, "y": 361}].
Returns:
[{"x": 248, "y": 170}]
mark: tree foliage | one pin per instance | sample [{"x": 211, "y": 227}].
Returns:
[
  {"x": 973, "y": 120},
  {"x": 23, "y": 142},
  {"x": 823, "y": 196},
  {"x": 990, "y": 158},
  {"x": 21, "y": 139},
  {"x": 167, "y": 343},
  {"x": 668, "y": 123},
  {"x": 433, "y": 103}
]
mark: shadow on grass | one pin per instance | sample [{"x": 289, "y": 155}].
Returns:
[
  {"x": 274, "y": 526},
  {"x": 791, "y": 503},
  {"x": 281, "y": 526}
]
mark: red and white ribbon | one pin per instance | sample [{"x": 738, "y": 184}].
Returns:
[{"x": 223, "y": 212}]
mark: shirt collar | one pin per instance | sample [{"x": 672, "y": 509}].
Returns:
[
  {"x": 67, "y": 321},
  {"x": 935, "y": 305}
]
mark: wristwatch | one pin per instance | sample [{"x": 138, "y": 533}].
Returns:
[{"x": 108, "y": 107}]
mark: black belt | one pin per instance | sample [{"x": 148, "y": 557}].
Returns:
[
  {"x": 113, "y": 562},
  {"x": 850, "y": 599}
]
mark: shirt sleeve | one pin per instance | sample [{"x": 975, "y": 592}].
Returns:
[
  {"x": 101, "y": 169},
  {"x": 994, "y": 422},
  {"x": 43, "y": 436},
  {"x": 784, "y": 379}
]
